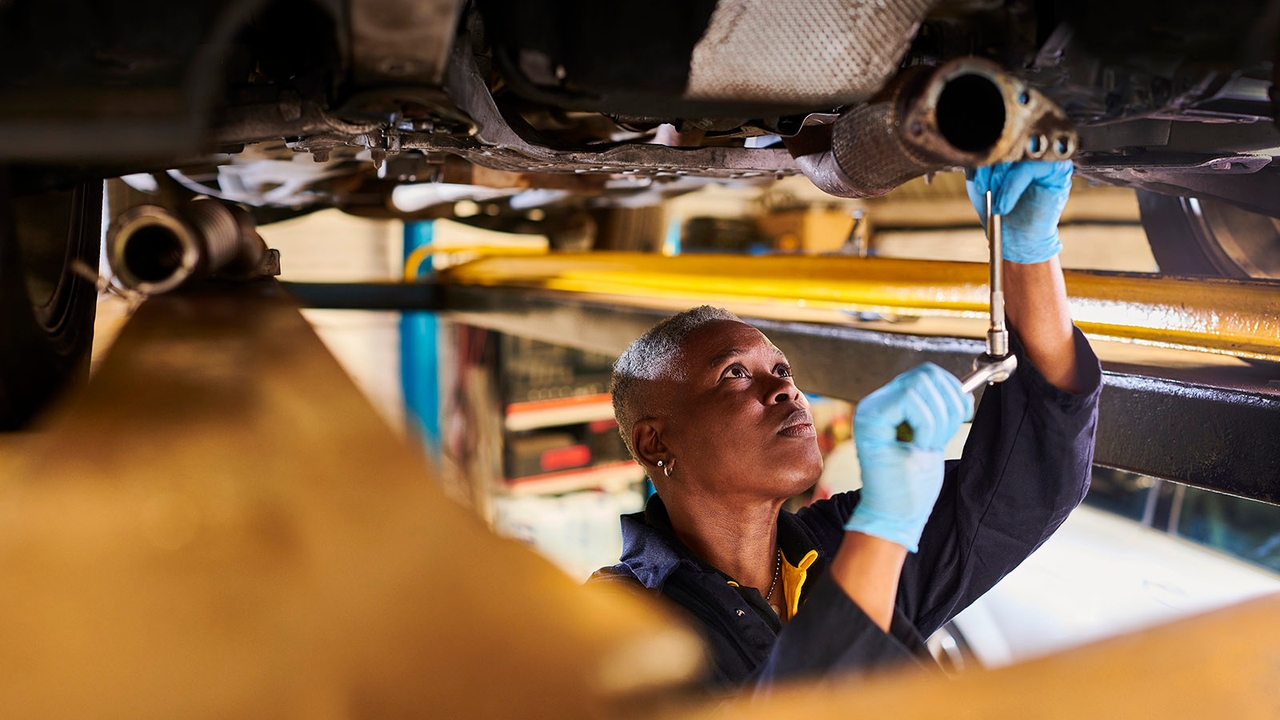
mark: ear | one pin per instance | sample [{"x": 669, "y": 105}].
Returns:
[{"x": 646, "y": 438}]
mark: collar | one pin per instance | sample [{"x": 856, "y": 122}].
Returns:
[{"x": 651, "y": 550}]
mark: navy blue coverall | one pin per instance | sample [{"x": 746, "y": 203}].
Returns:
[{"x": 1025, "y": 467}]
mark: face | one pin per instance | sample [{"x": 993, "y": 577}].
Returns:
[{"x": 735, "y": 423}]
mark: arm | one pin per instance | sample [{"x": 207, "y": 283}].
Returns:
[
  {"x": 900, "y": 482},
  {"x": 1031, "y": 197},
  {"x": 1036, "y": 305},
  {"x": 1028, "y": 459},
  {"x": 868, "y": 568},
  {"x": 1025, "y": 467},
  {"x": 850, "y": 621}
]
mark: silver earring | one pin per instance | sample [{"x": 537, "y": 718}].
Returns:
[{"x": 670, "y": 468}]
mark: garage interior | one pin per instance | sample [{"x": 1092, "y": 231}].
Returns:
[
  {"x": 489, "y": 393},
  {"x": 367, "y": 471}
]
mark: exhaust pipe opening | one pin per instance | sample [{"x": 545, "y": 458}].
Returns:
[
  {"x": 151, "y": 249},
  {"x": 153, "y": 254},
  {"x": 154, "y": 250},
  {"x": 970, "y": 113}
]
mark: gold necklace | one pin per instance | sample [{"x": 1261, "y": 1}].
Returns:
[{"x": 777, "y": 568}]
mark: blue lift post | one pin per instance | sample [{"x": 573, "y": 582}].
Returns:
[{"x": 419, "y": 358}]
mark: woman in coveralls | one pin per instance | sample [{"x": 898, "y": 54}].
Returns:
[{"x": 855, "y": 582}]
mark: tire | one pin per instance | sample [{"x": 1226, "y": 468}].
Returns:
[
  {"x": 1191, "y": 236},
  {"x": 46, "y": 311}
]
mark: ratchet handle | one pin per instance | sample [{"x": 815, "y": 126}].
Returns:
[
  {"x": 987, "y": 370},
  {"x": 997, "y": 363}
]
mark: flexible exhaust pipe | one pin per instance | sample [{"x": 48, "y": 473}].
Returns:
[
  {"x": 966, "y": 113},
  {"x": 153, "y": 250}
]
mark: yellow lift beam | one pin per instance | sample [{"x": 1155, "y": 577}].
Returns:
[{"x": 1223, "y": 316}]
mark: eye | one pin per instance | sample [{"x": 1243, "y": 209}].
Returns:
[
  {"x": 736, "y": 370},
  {"x": 782, "y": 370}
]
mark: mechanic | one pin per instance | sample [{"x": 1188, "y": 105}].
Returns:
[{"x": 857, "y": 581}]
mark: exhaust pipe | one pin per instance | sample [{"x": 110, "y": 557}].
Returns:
[
  {"x": 153, "y": 250},
  {"x": 966, "y": 113}
]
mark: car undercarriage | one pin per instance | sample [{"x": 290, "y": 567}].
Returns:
[
  {"x": 277, "y": 109},
  {"x": 223, "y": 523}
]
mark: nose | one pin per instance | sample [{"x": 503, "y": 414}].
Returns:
[{"x": 784, "y": 391}]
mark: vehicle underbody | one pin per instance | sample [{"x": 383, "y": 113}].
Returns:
[
  {"x": 383, "y": 92},
  {"x": 289, "y": 106}
]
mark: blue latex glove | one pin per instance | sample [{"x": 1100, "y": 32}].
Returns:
[
  {"x": 901, "y": 481},
  {"x": 1030, "y": 195}
]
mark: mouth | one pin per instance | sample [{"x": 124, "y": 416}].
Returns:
[{"x": 798, "y": 424}]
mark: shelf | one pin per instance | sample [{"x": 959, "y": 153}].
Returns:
[
  {"x": 612, "y": 477},
  {"x": 561, "y": 411}
]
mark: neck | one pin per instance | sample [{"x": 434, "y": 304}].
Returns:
[{"x": 739, "y": 539}]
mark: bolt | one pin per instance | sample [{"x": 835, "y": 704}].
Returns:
[
  {"x": 379, "y": 157},
  {"x": 320, "y": 155}
]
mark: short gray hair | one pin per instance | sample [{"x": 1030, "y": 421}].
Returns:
[{"x": 652, "y": 357}]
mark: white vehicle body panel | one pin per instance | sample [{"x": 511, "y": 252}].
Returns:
[{"x": 1101, "y": 575}]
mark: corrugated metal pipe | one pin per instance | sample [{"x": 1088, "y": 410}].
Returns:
[{"x": 153, "y": 250}]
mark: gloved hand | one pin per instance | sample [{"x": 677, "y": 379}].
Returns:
[
  {"x": 1030, "y": 195},
  {"x": 901, "y": 480}
]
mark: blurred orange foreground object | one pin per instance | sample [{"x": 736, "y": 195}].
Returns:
[
  {"x": 220, "y": 526},
  {"x": 1224, "y": 664}
]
